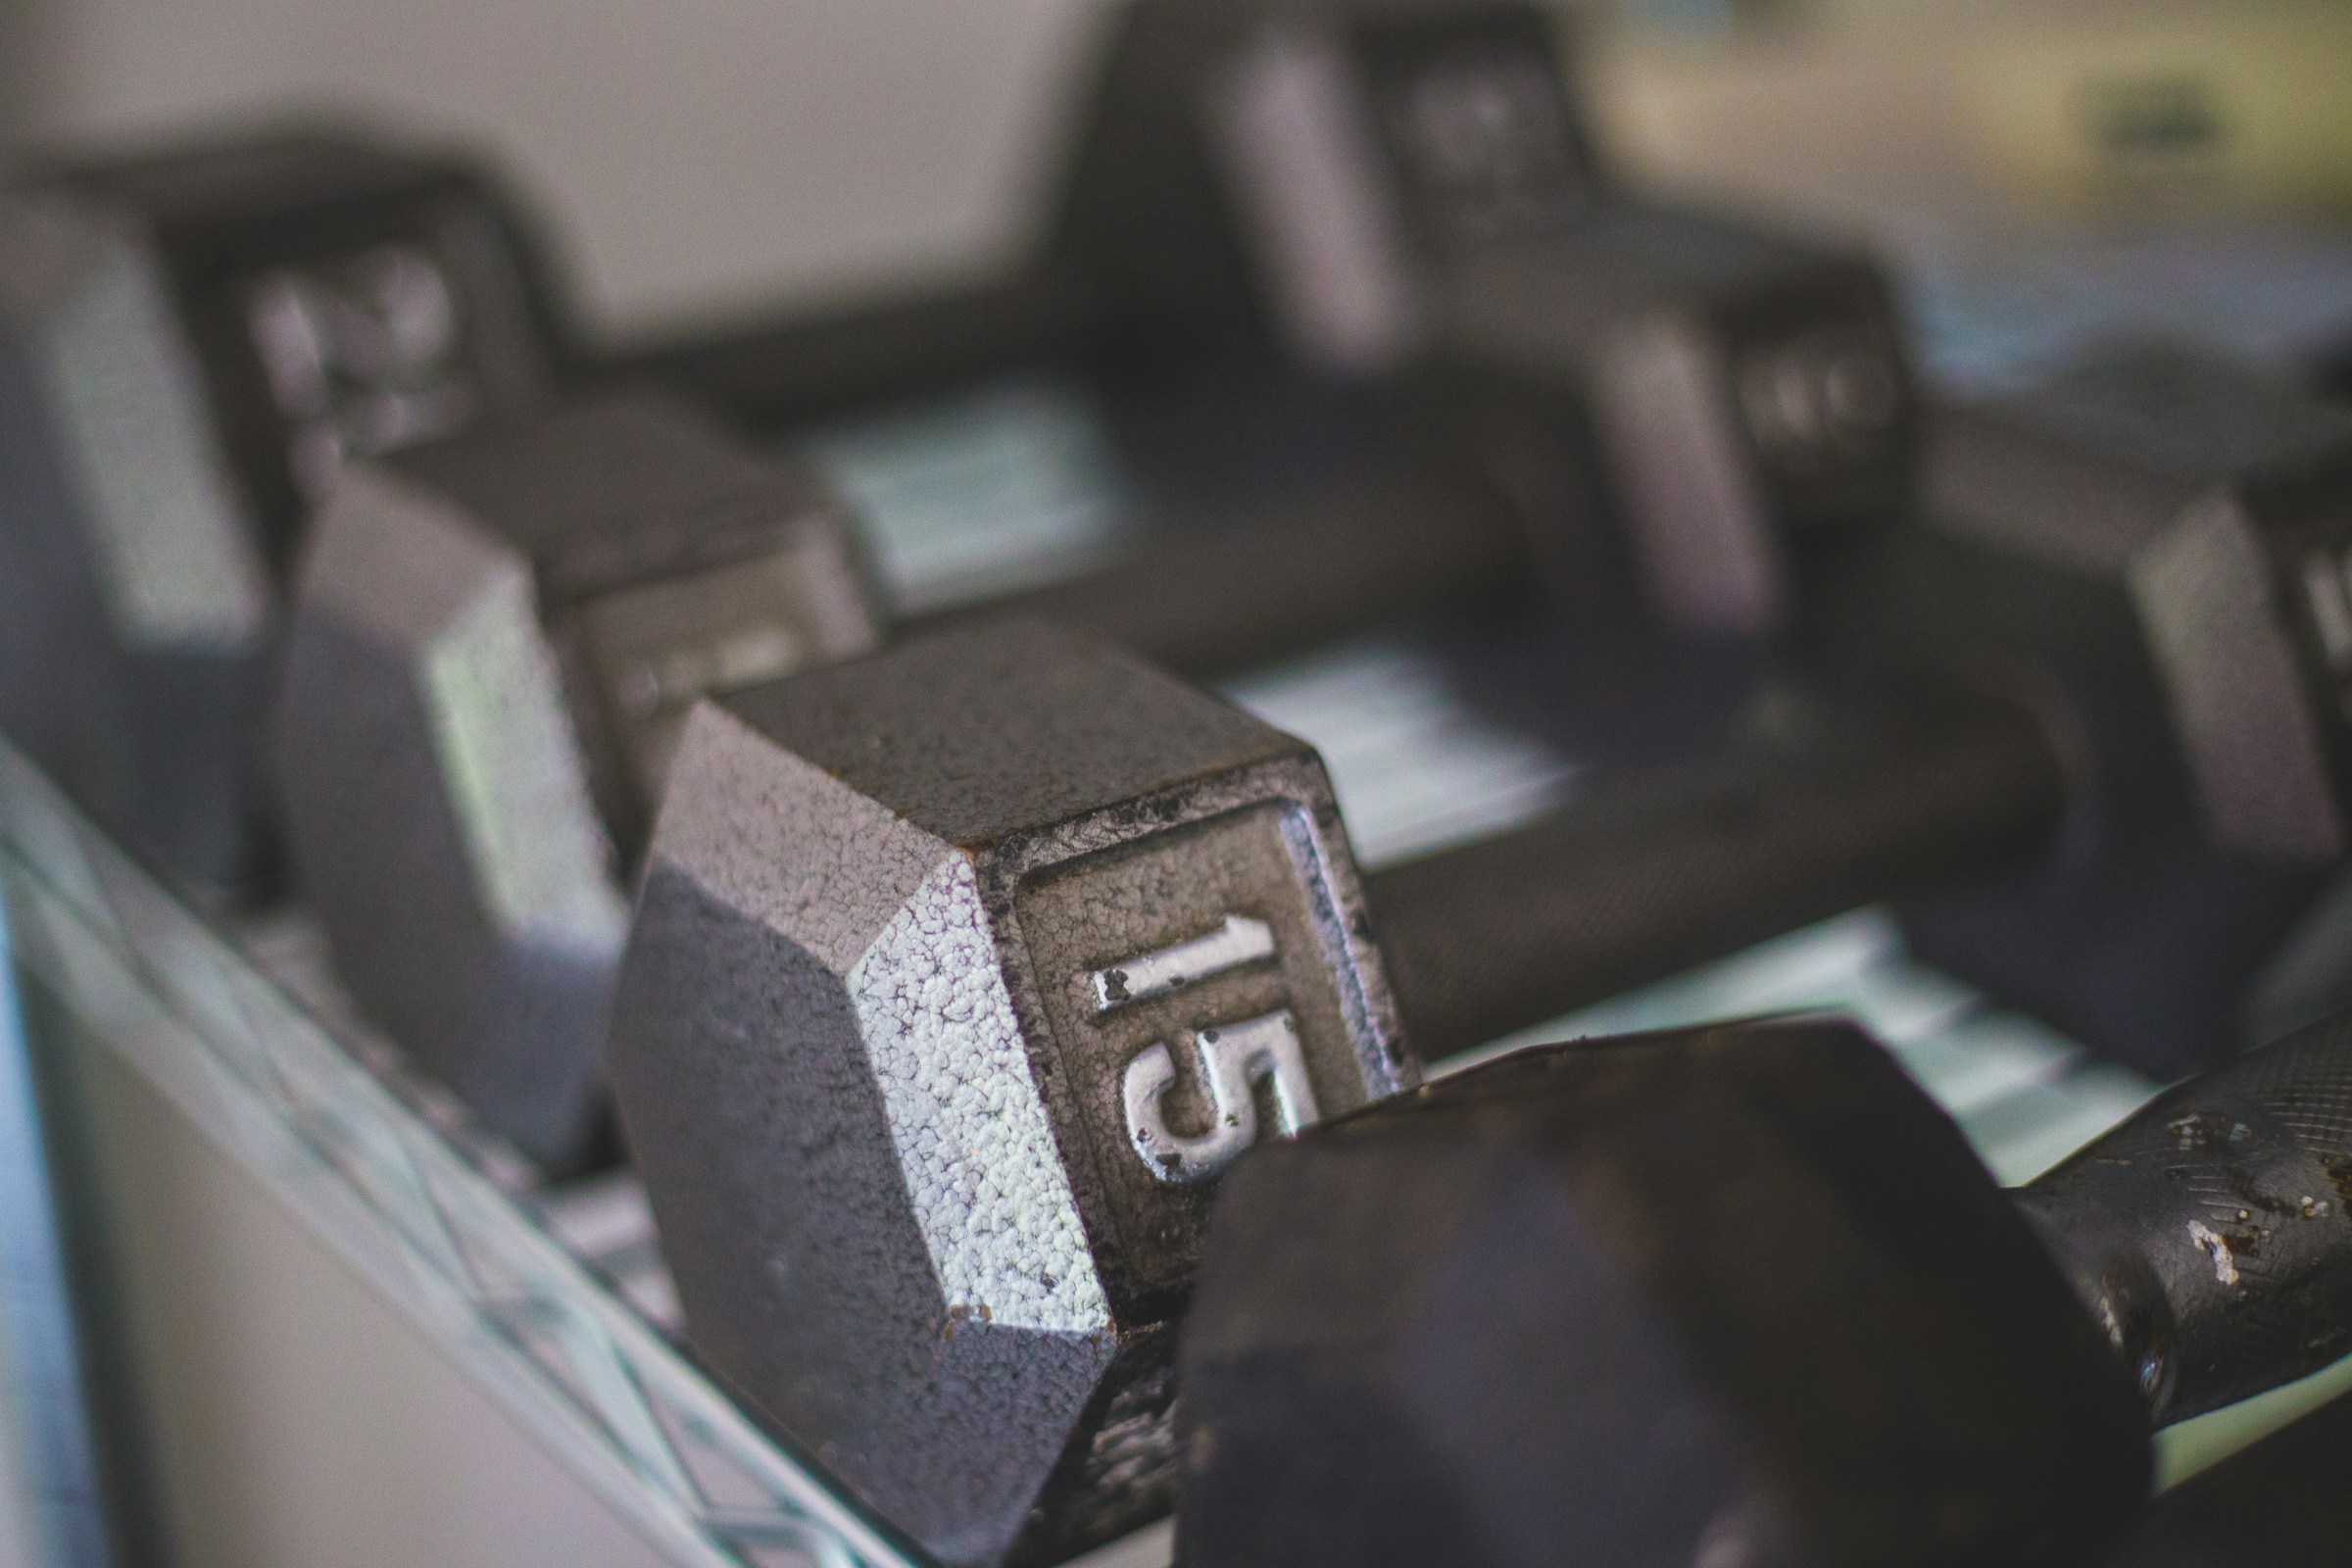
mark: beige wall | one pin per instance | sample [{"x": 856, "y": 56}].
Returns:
[{"x": 694, "y": 152}]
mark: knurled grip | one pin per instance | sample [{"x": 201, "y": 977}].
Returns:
[
  {"x": 2208, "y": 1234},
  {"x": 1212, "y": 598},
  {"x": 1638, "y": 882}
]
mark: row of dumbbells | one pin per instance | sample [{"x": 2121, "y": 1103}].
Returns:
[
  {"x": 205, "y": 337},
  {"x": 963, "y": 973}
]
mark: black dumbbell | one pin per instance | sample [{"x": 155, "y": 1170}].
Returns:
[
  {"x": 1742, "y": 1295},
  {"x": 2126, "y": 599},
  {"x": 1656, "y": 410},
  {"x": 191, "y": 342},
  {"x": 1405, "y": 188},
  {"x": 1628, "y": 400},
  {"x": 494, "y": 641},
  {"x": 1310, "y": 168}
]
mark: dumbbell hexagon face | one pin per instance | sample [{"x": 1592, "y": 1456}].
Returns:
[
  {"x": 1451, "y": 123},
  {"x": 960, "y": 975},
  {"x": 1731, "y": 1295},
  {"x": 191, "y": 342},
  {"x": 1369, "y": 147},
  {"x": 341, "y": 298},
  {"x": 495, "y": 640},
  {"x": 2153, "y": 548},
  {"x": 1308, "y": 162},
  {"x": 1741, "y": 398}
]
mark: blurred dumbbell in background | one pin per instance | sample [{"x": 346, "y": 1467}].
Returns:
[
  {"x": 1782, "y": 358},
  {"x": 2125, "y": 866},
  {"x": 196, "y": 339},
  {"x": 1588, "y": 351},
  {"x": 1540, "y": 368}
]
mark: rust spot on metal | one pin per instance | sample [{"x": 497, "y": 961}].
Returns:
[{"x": 2338, "y": 1167}]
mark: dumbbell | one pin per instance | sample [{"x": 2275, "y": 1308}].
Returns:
[
  {"x": 1675, "y": 406},
  {"x": 1405, "y": 188},
  {"x": 1308, "y": 168},
  {"x": 493, "y": 642},
  {"x": 1744, "y": 1295},
  {"x": 960, "y": 973},
  {"x": 191, "y": 342},
  {"x": 1658, "y": 410},
  {"x": 1207, "y": 132},
  {"x": 2114, "y": 776},
  {"x": 939, "y": 957}
]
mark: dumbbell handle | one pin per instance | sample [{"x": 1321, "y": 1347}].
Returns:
[
  {"x": 2208, "y": 1235},
  {"x": 1212, "y": 598},
  {"x": 1643, "y": 880},
  {"x": 811, "y": 366}
]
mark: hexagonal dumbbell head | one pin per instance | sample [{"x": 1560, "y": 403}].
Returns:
[
  {"x": 1733, "y": 1296},
  {"x": 1738, "y": 401},
  {"x": 959, "y": 974},
  {"x": 496, "y": 641},
  {"x": 2155, "y": 549},
  {"x": 1318, "y": 159},
  {"x": 190, "y": 342}
]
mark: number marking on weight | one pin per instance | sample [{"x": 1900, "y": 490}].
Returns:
[
  {"x": 1232, "y": 1059},
  {"x": 1239, "y": 941}
]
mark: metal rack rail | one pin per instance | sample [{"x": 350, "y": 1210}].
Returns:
[{"x": 594, "y": 1384}]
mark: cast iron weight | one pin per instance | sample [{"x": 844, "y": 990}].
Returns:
[
  {"x": 192, "y": 342},
  {"x": 495, "y": 640},
  {"x": 2129, "y": 774},
  {"x": 1744, "y": 1295}
]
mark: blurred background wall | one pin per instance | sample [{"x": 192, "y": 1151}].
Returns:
[
  {"x": 708, "y": 155},
  {"x": 698, "y": 153}
]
